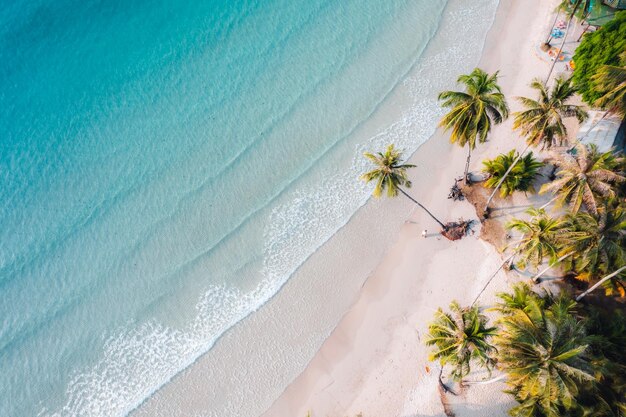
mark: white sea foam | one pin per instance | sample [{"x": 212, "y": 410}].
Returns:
[{"x": 137, "y": 361}]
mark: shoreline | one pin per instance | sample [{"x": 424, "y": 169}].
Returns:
[
  {"x": 374, "y": 362},
  {"x": 339, "y": 257}
]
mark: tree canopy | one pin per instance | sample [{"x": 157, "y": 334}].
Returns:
[{"x": 602, "y": 47}]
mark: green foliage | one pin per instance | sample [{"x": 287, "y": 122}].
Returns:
[
  {"x": 560, "y": 359},
  {"x": 389, "y": 172},
  {"x": 521, "y": 176},
  {"x": 602, "y": 47},
  {"x": 610, "y": 81},
  {"x": 545, "y": 352},
  {"x": 541, "y": 239},
  {"x": 461, "y": 337},
  {"x": 599, "y": 245},
  {"x": 541, "y": 123},
  {"x": 473, "y": 111},
  {"x": 586, "y": 178}
]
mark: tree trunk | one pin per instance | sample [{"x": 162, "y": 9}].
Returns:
[
  {"x": 581, "y": 35},
  {"x": 536, "y": 277},
  {"x": 549, "y": 202},
  {"x": 443, "y": 226},
  {"x": 602, "y": 281},
  {"x": 492, "y": 277},
  {"x": 569, "y": 22},
  {"x": 547, "y": 42},
  {"x": 469, "y": 156},
  {"x": 606, "y": 113},
  {"x": 490, "y": 381},
  {"x": 493, "y": 193}
]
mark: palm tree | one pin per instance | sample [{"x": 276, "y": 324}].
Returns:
[
  {"x": 542, "y": 121},
  {"x": 461, "y": 337},
  {"x": 390, "y": 175},
  {"x": 599, "y": 243},
  {"x": 585, "y": 178},
  {"x": 544, "y": 350},
  {"x": 473, "y": 111},
  {"x": 520, "y": 176},
  {"x": 522, "y": 298},
  {"x": 541, "y": 237}
]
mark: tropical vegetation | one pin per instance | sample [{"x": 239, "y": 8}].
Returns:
[
  {"x": 541, "y": 122},
  {"x": 389, "y": 174},
  {"x": 585, "y": 177},
  {"x": 473, "y": 111},
  {"x": 560, "y": 359},
  {"x": 541, "y": 237},
  {"x": 610, "y": 82},
  {"x": 544, "y": 350},
  {"x": 602, "y": 47},
  {"x": 461, "y": 337},
  {"x": 520, "y": 172}
]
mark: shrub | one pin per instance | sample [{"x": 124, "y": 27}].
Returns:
[{"x": 602, "y": 47}]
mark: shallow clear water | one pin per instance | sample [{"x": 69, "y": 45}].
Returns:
[{"x": 165, "y": 167}]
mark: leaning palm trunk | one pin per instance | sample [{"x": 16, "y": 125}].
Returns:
[
  {"x": 490, "y": 381},
  {"x": 443, "y": 226},
  {"x": 602, "y": 281},
  {"x": 536, "y": 277},
  {"x": 493, "y": 193},
  {"x": 552, "y": 200},
  {"x": 606, "y": 113},
  {"x": 467, "y": 163},
  {"x": 507, "y": 260},
  {"x": 569, "y": 22},
  {"x": 556, "y": 16}
]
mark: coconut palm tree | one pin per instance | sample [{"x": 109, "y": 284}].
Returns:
[
  {"x": 541, "y": 123},
  {"x": 390, "y": 175},
  {"x": 461, "y": 337},
  {"x": 520, "y": 176},
  {"x": 544, "y": 350},
  {"x": 593, "y": 246},
  {"x": 542, "y": 237},
  {"x": 599, "y": 243},
  {"x": 522, "y": 298},
  {"x": 585, "y": 178},
  {"x": 473, "y": 111}
]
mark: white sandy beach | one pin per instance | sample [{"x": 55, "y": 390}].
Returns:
[{"x": 374, "y": 362}]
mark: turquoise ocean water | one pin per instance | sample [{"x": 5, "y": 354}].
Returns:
[{"x": 147, "y": 152}]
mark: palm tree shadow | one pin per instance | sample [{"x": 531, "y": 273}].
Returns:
[
  {"x": 508, "y": 211},
  {"x": 523, "y": 206},
  {"x": 469, "y": 410},
  {"x": 544, "y": 277}
]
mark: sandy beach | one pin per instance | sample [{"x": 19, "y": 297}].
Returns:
[{"x": 374, "y": 363}]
